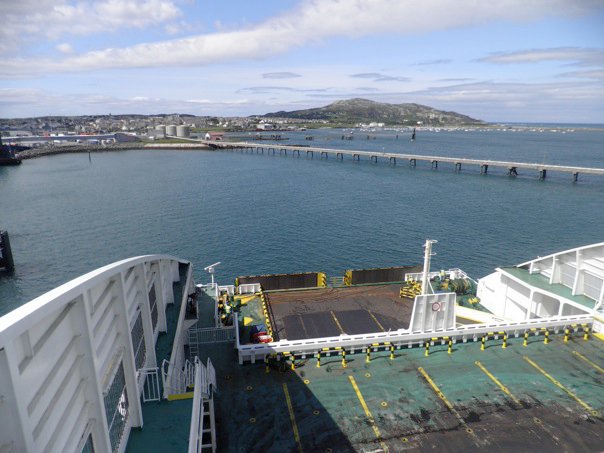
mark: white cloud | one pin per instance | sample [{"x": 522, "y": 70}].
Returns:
[
  {"x": 311, "y": 22},
  {"x": 27, "y": 102},
  {"x": 280, "y": 75},
  {"x": 65, "y": 48},
  {"x": 580, "y": 56},
  {"x": 28, "y": 20}
]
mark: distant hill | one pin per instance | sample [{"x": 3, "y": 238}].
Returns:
[{"x": 354, "y": 111}]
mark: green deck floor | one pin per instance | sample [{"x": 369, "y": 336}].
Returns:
[
  {"x": 390, "y": 405},
  {"x": 403, "y": 410}
]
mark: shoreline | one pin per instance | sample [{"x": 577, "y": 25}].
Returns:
[{"x": 72, "y": 149}]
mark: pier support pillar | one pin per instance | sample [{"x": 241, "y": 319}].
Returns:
[
  {"x": 484, "y": 168},
  {"x": 323, "y": 153},
  {"x": 542, "y": 173},
  {"x": 575, "y": 176},
  {"x": 393, "y": 160},
  {"x": 434, "y": 164},
  {"x": 273, "y": 151},
  {"x": 340, "y": 156},
  {"x": 356, "y": 157},
  {"x": 297, "y": 151},
  {"x": 412, "y": 162},
  {"x": 311, "y": 154},
  {"x": 374, "y": 159},
  {"x": 512, "y": 171},
  {"x": 457, "y": 166}
]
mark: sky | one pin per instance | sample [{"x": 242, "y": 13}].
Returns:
[{"x": 498, "y": 61}]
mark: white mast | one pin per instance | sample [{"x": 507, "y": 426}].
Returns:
[{"x": 427, "y": 255}]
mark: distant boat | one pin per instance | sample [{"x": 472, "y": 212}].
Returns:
[
  {"x": 7, "y": 155},
  {"x": 413, "y": 135}
]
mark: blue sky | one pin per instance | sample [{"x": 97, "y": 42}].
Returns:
[{"x": 510, "y": 60}]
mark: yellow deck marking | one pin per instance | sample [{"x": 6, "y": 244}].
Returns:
[
  {"x": 376, "y": 430},
  {"x": 292, "y": 417},
  {"x": 595, "y": 365},
  {"x": 503, "y": 388},
  {"x": 442, "y": 396},
  {"x": 337, "y": 322},
  {"x": 590, "y": 409},
  {"x": 376, "y": 321}
]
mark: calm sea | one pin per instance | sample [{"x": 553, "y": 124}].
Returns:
[{"x": 263, "y": 214}]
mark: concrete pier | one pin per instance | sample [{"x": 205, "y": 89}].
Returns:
[{"x": 512, "y": 168}]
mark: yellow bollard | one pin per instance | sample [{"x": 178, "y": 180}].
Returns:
[
  {"x": 391, "y": 352},
  {"x": 450, "y": 348},
  {"x": 368, "y": 358},
  {"x": 319, "y": 359},
  {"x": 427, "y": 348},
  {"x": 505, "y": 340},
  {"x": 566, "y": 332},
  {"x": 293, "y": 363},
  {"x": 344, "y": 365},
  {"x": 586, "y": 333},
  {"x": 546, "y": 339},
  {"x": 483, "y": 341},
  {"x": 525, "y": 343}
]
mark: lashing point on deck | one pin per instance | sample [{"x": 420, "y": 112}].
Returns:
[{"x": 525, "y": 342}]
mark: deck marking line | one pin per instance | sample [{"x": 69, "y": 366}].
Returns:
[
  {"x": 503, "y": 388},
  {"x": 595, "y": 365},
  {"x": 337, "y": 322},
  {"x": 292, "y": 417},
  {"x": 376, "y": 321},
  {"x": 376, "y": 430},
  {"x": 442, "y": 396},
  {"x": 590, "y": 409}
]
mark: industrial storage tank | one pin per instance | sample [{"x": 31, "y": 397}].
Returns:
[
  {"x": 182, "y": 131},
  {"x": 171, "y": 129}
]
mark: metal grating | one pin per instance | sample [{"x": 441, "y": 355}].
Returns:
[
  {"x": 153, "y": 306},
  {"x": 138, "y": 342},
  {"x": 116, "y": 407}
]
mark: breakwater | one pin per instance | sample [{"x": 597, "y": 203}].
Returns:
[{"x": 72, "y": 149}]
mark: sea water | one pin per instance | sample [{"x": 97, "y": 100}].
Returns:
[{"x": 258, "y": 213}]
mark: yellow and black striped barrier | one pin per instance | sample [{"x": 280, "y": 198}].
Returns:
[{"x": 327, "y": 352}]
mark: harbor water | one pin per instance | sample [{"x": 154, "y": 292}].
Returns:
[{"x": 259, "y": 213}]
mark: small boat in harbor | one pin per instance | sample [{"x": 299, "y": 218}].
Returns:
[{"x": 7, "y": 155}]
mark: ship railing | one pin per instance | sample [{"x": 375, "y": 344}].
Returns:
[
  {"x": 177, "y": 357},
  {"x": 406, "y": 338},
  {"x": 248, "y": 288},
  {"x": 230, "y": 289},
  {"x": 149, "y": 379},
  {"x": 204, "y": 335},
  {"x": 203, "y": 404},
  {"x": 453, "y": 274}
]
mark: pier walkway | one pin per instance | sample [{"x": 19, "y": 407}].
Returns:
[{"x": 373, "y": 156}]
